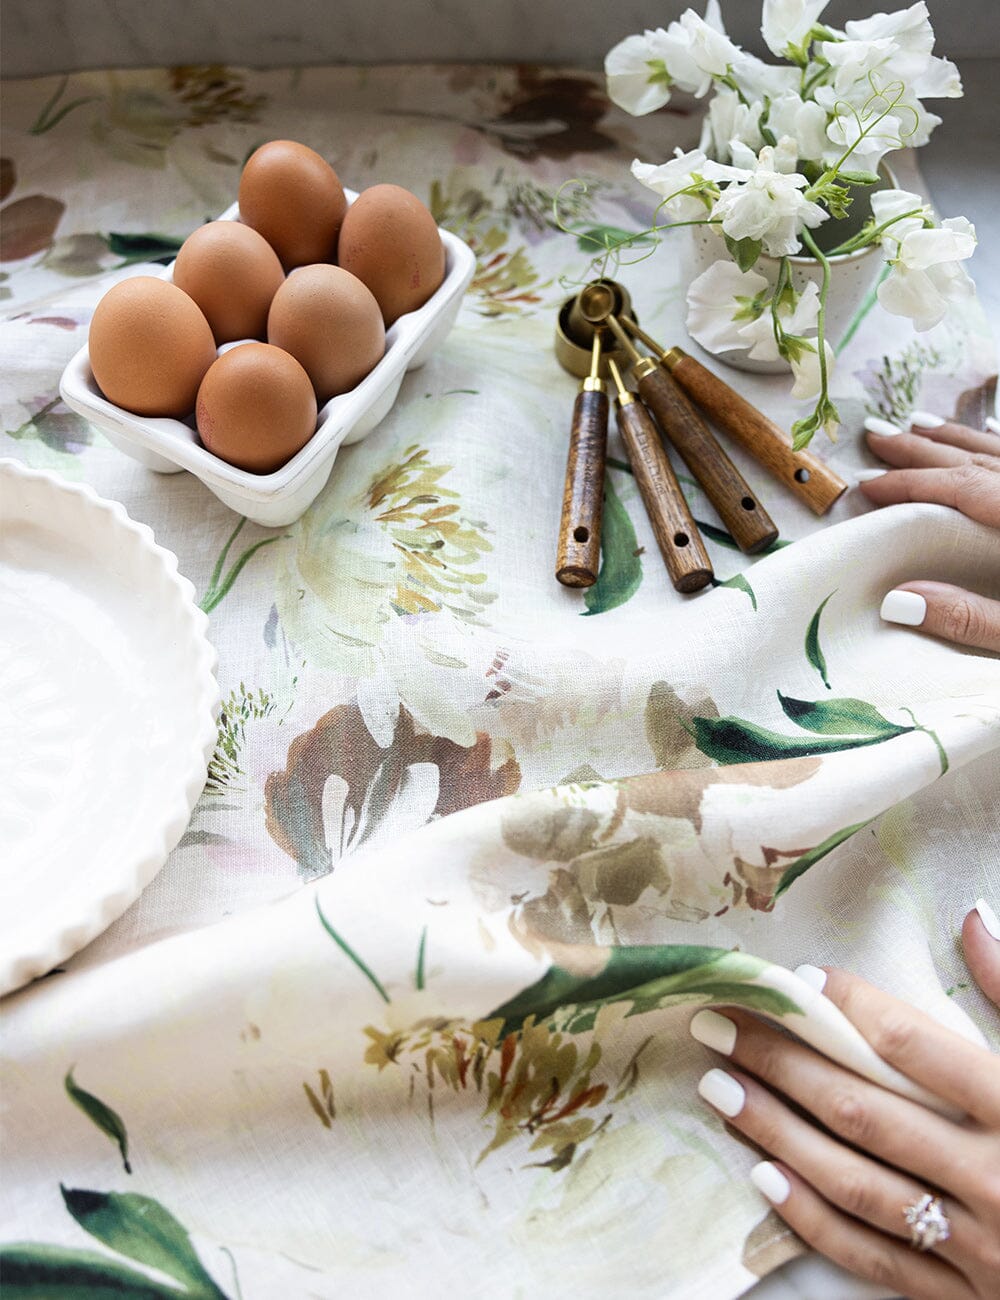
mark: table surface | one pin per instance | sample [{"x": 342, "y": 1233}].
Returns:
[{"x": 370, "y": 873}]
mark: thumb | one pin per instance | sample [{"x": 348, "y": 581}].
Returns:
[{"x": 981, "y": 945}]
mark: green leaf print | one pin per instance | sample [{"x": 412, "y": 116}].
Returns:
[
  {"x": 349, "y": 952},
  {"x": 142, "y": 1229},
  {"x": 716, "y": 534},
  {"x": 847, "y": 717},
  {"x": 732, "y": 740},
  {"x": 649, "y": 977},
  {"x": 33, "y": 1271},
  {"x": 61, "y": 430},
  {"x": 142, "y": 248},
  {"x": 739, "y": 582},
  {"x": 51, "y": 115},
  {"x": 814, "y": 652},
  {"x": 218, "y": 586},
  {"x": 107, "y": 1120},
  {"x": 801, "y": 865},
  {"x": 621, "y": 566}
]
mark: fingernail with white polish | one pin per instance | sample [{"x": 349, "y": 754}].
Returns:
[
  {"x": 874, "y": 425},
  {"x": 988, "y": 918},
  {"x": 866, "y": 475},
  {"x": 769, "y": 1180},
  {"x": 907, "y": 607},
  {"x": 925, "y": 420},
  {"x": 813, "y": 976},
  {"x": 992, "y": 424},
  {"x": 722, "y": 1091},
  {"x": 715, "y": 1031}
]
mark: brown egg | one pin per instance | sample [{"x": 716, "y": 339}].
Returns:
[
  {"x": 330, "y": 322},
  {"x": 293, "y": 198},
  {"x": 256, "y": 407},
  {"x": 150, "y": 346},
  {"x": 390, "y": 242},
  {"x": 232, "y": 273}
]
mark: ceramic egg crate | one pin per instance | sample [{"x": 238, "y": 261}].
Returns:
[{"x": 168, "y": 445}]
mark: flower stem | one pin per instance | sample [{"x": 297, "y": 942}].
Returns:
[
  {"x": 776, "y": 300},
  {"x": 821, "y": 257},
  {"x": 866, "y": 237}
]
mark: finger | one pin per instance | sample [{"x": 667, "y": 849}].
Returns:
[
  {"x": 848, "y": 1179},
  {"x": 892, "y": 1128},
  {"x": 972, "y": 489},
  {"x": 945, "y": 1063},
  {"x": 859, "y": 1249},
  {"x": 981, "y": 945},
  {"x": 945, "y": 611},
  {"x": 910, "y": 450},
  {"x": 954, "y": 434}
]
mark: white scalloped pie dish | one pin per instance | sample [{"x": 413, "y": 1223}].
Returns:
[{"x": 107, "y": 715}]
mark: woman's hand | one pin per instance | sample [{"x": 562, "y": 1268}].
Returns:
[
  {"x": 951, "y": 465},
  {"x": 850, "y": 1157}
]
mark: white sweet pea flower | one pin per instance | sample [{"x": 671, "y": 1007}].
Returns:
[
  {"x": 764, "y": 198},
  {"x": 895, "y": 206},
  {"x": 721, "y": 301},
  {"x": 804, "y": 121},
  {"x": 939, "y": 79},
  {"x": 760, "y": 80},
  {"x": 807, "y": 374},
  {"x": 636, "y": 73},
  {"x": 789, "y": 22},
  {"x": 729, "y": 119},
  {"x": 910, "y": 29},
  {"x": 697, "y": 49},
  {"x": 795, "y": 317},
  {"x": 926, "y": 275},
  {"x": 953, "y": 241},
  {"x": 887, "y": 51},
  {"x": 854, "y": 61},
  {"x": 681, "y": 172},
  {"x": 908, "y": 124}
]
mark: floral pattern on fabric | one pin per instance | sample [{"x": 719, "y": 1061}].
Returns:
[{"x": 473, "y": 846}]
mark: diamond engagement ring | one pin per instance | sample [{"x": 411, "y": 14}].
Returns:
[{"x": 928, "y": 1223}]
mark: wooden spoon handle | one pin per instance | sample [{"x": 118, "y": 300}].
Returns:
[
  {"x": 802, "y": 473},
  {"x": 676, "y": 532},
  {"x": 737, "y": 504},
  {"x": 579, "y": 554}
]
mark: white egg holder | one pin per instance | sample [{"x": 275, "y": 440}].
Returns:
[{"x": 169, "y": 446}]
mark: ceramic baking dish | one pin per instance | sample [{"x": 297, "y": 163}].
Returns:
[{"x": 168, "y": 445}]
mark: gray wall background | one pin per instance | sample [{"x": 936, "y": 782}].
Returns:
[{"x": 41, "y": 36}]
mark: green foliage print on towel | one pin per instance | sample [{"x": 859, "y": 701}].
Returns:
[
  {"x": 137, "y": 1228},
  {"x": 241, "y": 709},
  {"x": 106, "y": 1119},
  {"x": 54, "y": 426},
  {"x": 504, "y": 283},
  {"x": 538, "y": 1084},
  {"x": 219, "y": 584},
  {"x": 136, "y": 119},
  {"x": 649, "y": 978},
  {"x": 361, "y": 558},
  {"x": 814, "y": 651},
  {"x": 621, "y": 566},
  {"x": 833, "y": 725}
]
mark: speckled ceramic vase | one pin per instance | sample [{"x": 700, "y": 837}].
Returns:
[{"x": 852, "y": 277}]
